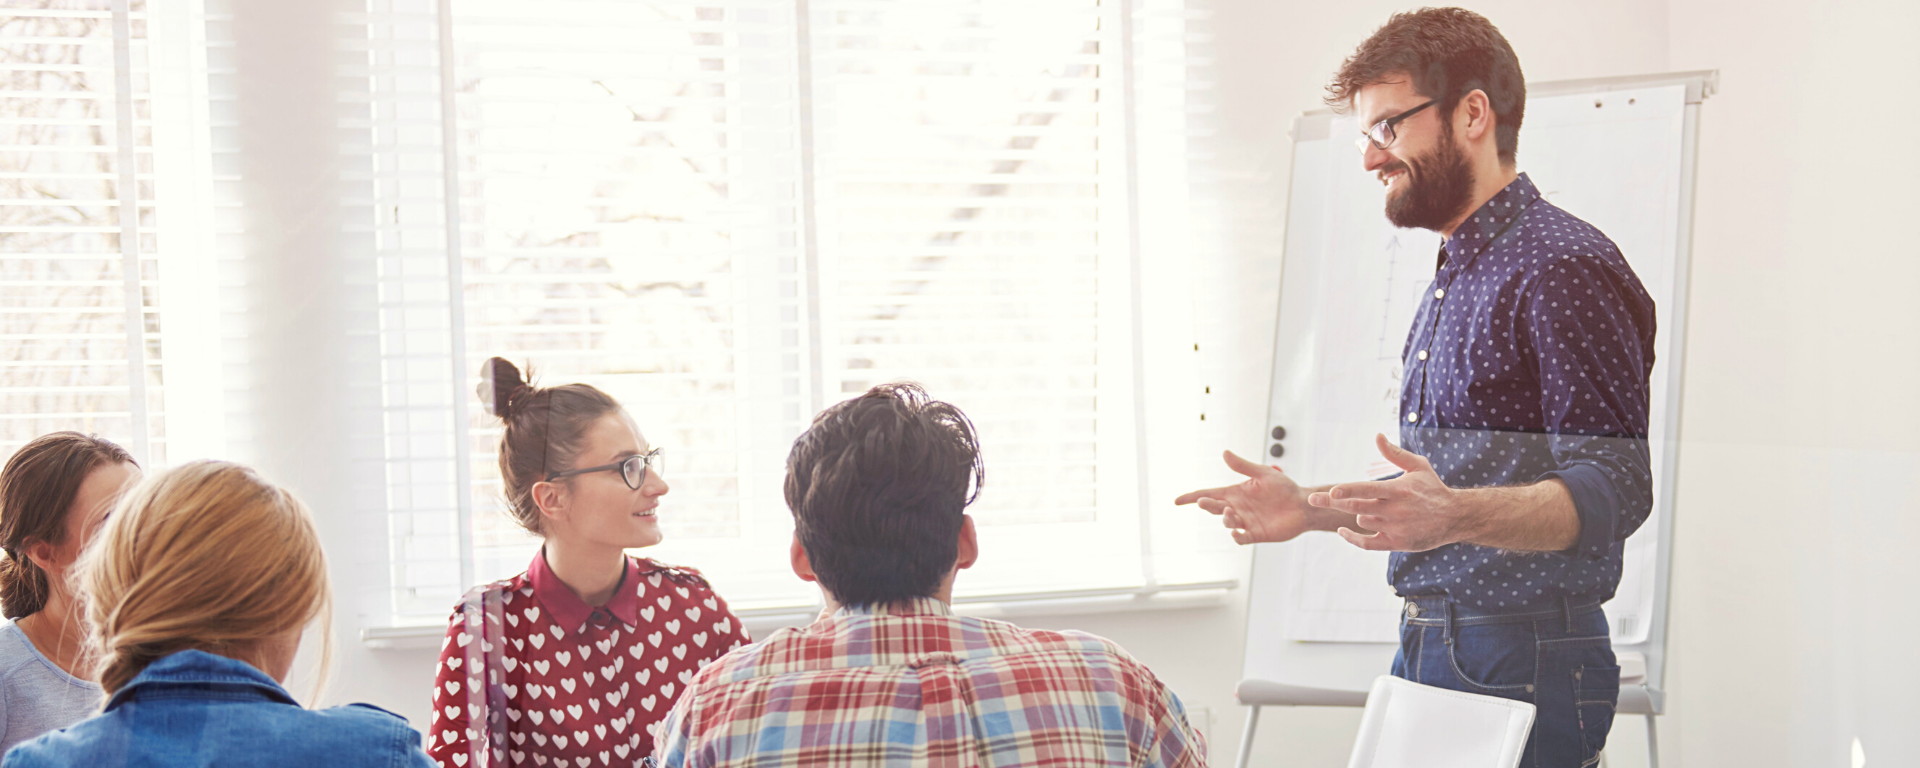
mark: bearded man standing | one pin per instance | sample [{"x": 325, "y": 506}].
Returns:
[{"x": 1524, "y": 401}]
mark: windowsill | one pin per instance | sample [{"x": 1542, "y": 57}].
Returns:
[{"x": 761, "y": 621}]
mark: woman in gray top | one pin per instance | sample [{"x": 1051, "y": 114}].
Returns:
[{"x": 54, "y": 494}]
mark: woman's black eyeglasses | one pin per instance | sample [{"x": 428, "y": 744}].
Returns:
[
  {"x": 633, "y": 469},
  {"x": 1381, "y": 135}
]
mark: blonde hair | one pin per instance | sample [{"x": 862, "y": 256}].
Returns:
[{"x": 206, "y": 556}]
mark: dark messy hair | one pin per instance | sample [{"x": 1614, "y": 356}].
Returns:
[
  {"x": 878, "y": 487},
  {"x": 37, "y": 489},
  {"x": 545, "y": 431},
  {"x": 1448, "y": 53}
]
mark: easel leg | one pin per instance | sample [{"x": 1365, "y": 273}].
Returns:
[
  {"x": 1246, "y": 737},
  {"x": 1653, "y": 743}
]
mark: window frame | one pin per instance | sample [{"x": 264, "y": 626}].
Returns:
[{"x": 1157, "y": 328}]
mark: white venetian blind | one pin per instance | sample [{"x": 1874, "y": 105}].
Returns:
[
  {"x": 729, "y": 215},
  {"x": 401, "y": 188},
  {"x": 973, "y": 237},
  {"x": 629, "y": 181},
  {"x": 78, "y": 318}
]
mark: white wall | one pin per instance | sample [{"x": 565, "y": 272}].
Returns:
[
  {"x": 1796, "y": 509},
  {"x": 1797, "y": 513}
]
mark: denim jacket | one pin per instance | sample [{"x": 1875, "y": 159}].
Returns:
[{"x": 193, "y": 708}]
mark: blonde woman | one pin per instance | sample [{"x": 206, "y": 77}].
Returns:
[
  {"x": 586, "y": 651},
  {"x": 54, "y": 494},
  {"x": 196, "y": 593}
]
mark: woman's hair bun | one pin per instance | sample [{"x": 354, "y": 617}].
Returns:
[{"x": 500, "y": 381}]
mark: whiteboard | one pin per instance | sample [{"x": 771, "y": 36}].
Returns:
[{"x": 1616, "y": 153}]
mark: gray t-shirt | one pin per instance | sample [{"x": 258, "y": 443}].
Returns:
[{"x": 37, "y": 696}]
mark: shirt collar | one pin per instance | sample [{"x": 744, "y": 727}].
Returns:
[
  {"x": 199, "y": 668},
  {"x": 572, "y": 613},
  {"x": 1491, "y": 220},
  {"x": 917, "y": 606}
]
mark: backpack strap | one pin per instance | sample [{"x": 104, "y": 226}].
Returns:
[
  {"x": 486, "y": 695},
  {"x": 495, "y": 648}
]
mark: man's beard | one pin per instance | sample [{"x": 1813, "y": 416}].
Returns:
[{"x": 1438, "y": 193}]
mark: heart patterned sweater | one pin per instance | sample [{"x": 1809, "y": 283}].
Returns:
[{"x": 581, "y": 685}]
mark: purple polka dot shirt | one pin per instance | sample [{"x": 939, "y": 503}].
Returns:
[{"x": 1529, "y": 359}]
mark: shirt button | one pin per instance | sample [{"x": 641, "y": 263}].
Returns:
[
  {"x": 1413, "y": 416},
  {"x": 1439, "y": 293},
  {"x": 1423, "y": 354}
]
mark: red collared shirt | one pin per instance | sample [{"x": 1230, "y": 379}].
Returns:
[{"x": 583, "y": 684}]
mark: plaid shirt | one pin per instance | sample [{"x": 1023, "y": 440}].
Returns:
[{"x": 913, "y": 684}]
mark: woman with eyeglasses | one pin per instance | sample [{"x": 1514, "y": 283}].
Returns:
[{"x": 573, "y": 661}]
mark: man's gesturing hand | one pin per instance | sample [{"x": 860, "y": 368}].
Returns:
[
  {"x": 1414, "y": 512},
  {"x": 1268, "y": 506}
]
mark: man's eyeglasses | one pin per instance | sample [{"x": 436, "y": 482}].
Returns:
[
  {"x": 1381, "y": 135},
  {"x": 633, "y": 469}
]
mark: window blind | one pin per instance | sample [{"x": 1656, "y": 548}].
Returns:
[
  {"x": 400, "y": 190},
  {"x": 77, "y": 252},
  {"x": 625, "y": 176},
  {"x": 630, "y": 171},
  {"x": 729, "y": 215},
  {"x": 973, "y": 237}
]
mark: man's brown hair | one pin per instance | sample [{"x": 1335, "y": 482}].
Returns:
[
  {"x": 1448, "y": 53},
  {"x": 879, "y": 487}
]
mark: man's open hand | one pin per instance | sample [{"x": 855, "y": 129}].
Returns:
[
  {"x": 1414, "y": 512},
  {"x": 1268, "y": 506}
]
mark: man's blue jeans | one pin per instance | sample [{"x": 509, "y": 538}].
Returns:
[{"x": 1559, "y": 660}]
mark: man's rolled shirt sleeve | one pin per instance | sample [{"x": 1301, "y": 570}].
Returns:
[{"x": 1592, "y": 344}]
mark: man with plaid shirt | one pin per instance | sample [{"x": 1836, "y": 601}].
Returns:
[{"x": 889, "y": 676}]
